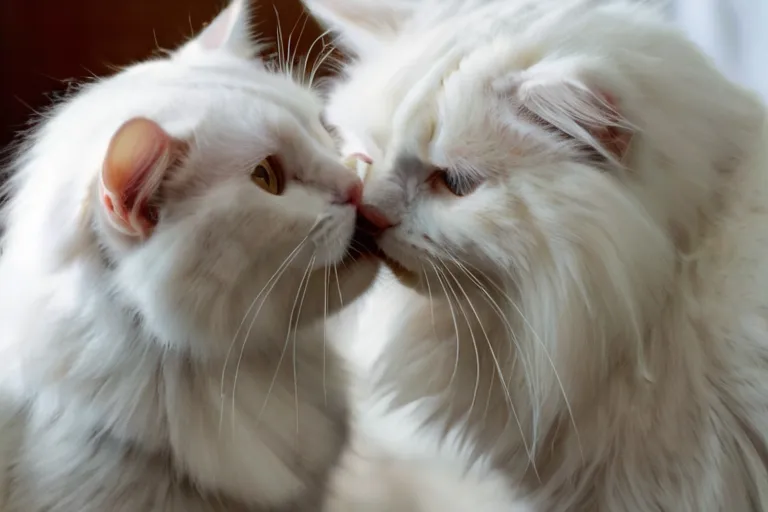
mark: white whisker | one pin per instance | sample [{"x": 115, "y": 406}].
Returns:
[
  {"x": 431, "y": 301},
  {"x": 472, "y": 337},
  {"x": 338, "y": 285},
  {"x": 280, "y": 56},
  {"x": 309, "y": 52},
  {"x": 270, "y": 283},
  {"x": 285, "y": 347},
  {"x": 455, "y": 326},
  {"x": 326, "y": 278},
  {"x": 295, "y": 333},
  {"x": 545, "y": 350},
  {"x": 499, "y": 371}
]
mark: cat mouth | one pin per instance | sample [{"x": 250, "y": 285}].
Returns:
[{"x": 364, "y": 244}]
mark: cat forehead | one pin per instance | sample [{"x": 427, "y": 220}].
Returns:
[
  {"x": 489, "y": 40},
  {"x": 426, "y": 102},
  {"x": 238, "y": 95}
]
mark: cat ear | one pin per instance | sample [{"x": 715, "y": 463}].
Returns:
[
  {"x": 587, "y": 115},
  {"x": 363, "y": 25},
  {"x": 138, "y": 157},
  {"x": 230, "y": 31}
]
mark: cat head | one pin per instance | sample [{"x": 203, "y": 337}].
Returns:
[
  {"x": 567, "y": 151},
  {"x": 206, "y": 189}
]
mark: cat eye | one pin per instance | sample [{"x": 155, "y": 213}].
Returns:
[
  {"x": 457, "y": 184},
  {"x": 268, "y": 175}
]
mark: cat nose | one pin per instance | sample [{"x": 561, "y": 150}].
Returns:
[
  {"x": 354, "y": 194},
  {"x": 375, "y": 217}
]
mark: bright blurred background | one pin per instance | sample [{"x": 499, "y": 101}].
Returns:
[{"x": 733, "y": 32}]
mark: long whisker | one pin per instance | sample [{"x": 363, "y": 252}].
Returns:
[
  {"x": 285, "y": 263},
  {"x": 471, "y": 335},
  {"x": 285, "y": 346},
  {"x": 545, "y": 350},
  {"x": 270, "y": 283},
  {"x": 326, "y": 278},
  {"x": 295, "y": 333},
  {"x": 497, "y": 309},
  {"x": 292, "y": 58},
  {"x": 274, "y": 279},
  {"x": 431, "y": 301},
  {"x": 338, "y": 286},
  {"x": 245, "y": 340},
  {"x": 309, "y": 52},
  {"x": 455, "y": 325},
  {"x": 322, "y": 58},
  {"x": 499, "y": 371},
  {"x": 541, "y": 344},
  {"x": 280, "y": 56},
  {"x": 513, "y": 336}
]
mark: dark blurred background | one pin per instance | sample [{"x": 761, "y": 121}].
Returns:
[{"x": 44, "y": 44}]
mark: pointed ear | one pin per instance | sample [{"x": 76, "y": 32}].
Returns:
[
  {"x": 362, "y": 25},
  {"x": 137, "y": 160},
  {"x": 585, "y": 115},
  {"x": 230, "y": 31}
]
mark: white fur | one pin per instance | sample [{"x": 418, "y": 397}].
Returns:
[
  {"x": 592, "y": 319},
  {"x": 149, "y": 376}
]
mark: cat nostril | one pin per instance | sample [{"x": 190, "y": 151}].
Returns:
[{"x": 375, "y": 217}]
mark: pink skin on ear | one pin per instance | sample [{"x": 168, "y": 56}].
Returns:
[
  {"x": 613, "y": 138},
  {"x": 566, "y": 105},
  {"x": 139, "y": 154}
]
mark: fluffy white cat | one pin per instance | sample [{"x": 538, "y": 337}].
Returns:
[
  {"x": 171, "y": 235},
  {"x": 578, "y": 198}
]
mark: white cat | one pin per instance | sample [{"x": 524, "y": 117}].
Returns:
[
  {"x": 175, "y": 236},
  {"x": 578, "y": 198}
]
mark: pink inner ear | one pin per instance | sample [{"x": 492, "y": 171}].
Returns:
[
  {"x": 137, "y": 159},
  {"x": 613, "y": 138},
  {"x": 221, "y": 29},
  {"x": 214, "y": 35},
  {"x": 590, "y": 117}
]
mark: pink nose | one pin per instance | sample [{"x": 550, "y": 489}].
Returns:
[
  {"x": 375, "y": 217},
  {"x": 354, "y": 194}
]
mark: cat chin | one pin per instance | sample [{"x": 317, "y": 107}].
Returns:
[
  {"x": 405, "y": 276},
  {"x": 350, "y": 278}
]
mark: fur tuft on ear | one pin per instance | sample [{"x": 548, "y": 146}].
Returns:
[
  {"x": 230, "y": 31},
  {"x": 138, "y": 157},
  {"x": 362, "y": 25},
  {"x": 588, "y": 117}
]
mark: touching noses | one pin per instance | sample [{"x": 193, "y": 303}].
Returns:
[
  {"x": 353, "y": 194},
  {"x": 376, "y": 220}
]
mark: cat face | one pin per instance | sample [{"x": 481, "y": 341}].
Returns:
[
  {"x": 555, "y": 147},
  {"x": 213, "y": 191}
]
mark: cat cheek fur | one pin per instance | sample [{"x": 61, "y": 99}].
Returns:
[{"x": 625, "y": 269}]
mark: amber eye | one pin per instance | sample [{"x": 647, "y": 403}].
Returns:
[
  {"x": 457, "y": 184},
  {"x": 268, "y": 175}
]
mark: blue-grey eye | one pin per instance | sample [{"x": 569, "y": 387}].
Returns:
[{"x": 456, "y": 183}]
